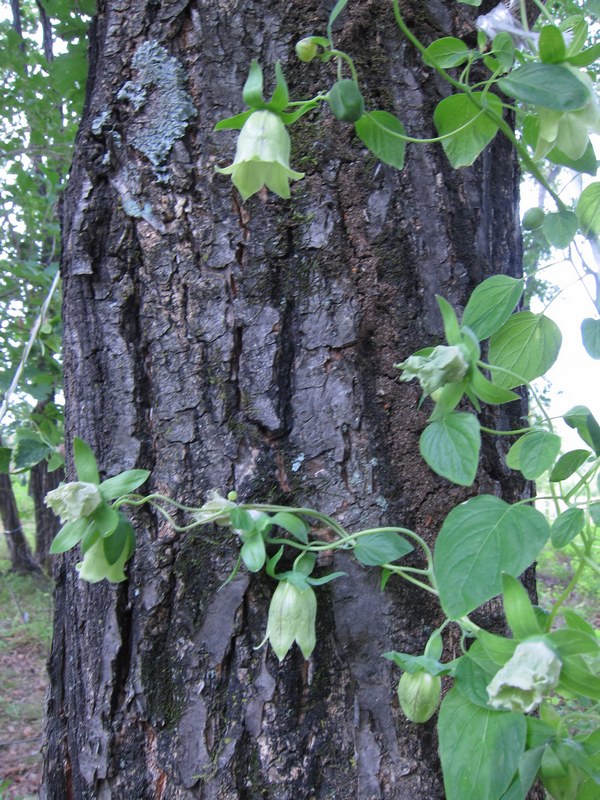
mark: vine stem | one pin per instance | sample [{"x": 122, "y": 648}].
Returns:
[{"x": 497, "y": 119}]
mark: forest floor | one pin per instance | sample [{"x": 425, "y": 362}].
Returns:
[{"x": 25, "y": 635}]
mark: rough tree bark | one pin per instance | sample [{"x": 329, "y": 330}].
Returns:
[
  {"x": 46, "y": 522},
  {"x": 253, "y": 347}
]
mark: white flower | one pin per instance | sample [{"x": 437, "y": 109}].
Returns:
[
  {"x": 443, "y": 365},
  {"x": 524, "y": 681},
  {"x": 71, "y": 501},
  {"x": 262, "y": 157}
]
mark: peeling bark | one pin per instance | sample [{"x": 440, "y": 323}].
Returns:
[{"x": 252, "y": 347}]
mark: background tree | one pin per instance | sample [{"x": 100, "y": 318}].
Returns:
[
  {"x": 43, "y": 68},
  {"x": 251, "y": 346}
]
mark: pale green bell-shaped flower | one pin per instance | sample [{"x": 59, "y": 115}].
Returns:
[
  {"x": 569, "y": 131},
  {"x": 71, "y": 501},
  {"x": 292, "y": 616},
  {"x": 523, "y": 682},
  {"x": 95, "y": 567},
  {"x": 443, "y": 365},
  {"x": 262, "y": 157}
]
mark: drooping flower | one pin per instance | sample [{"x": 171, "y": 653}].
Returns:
[
  {"x": 524, "y": 681},
  {"x": 443, "y": 365},
  {"x": 262, "y": 157},
  {"x": 292, "y": 616},
  {"x": 71, "y": 501},
  {"x": 569, "y": 131}
]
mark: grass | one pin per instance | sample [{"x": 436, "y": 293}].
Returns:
[{"x": 25, "y": 636}]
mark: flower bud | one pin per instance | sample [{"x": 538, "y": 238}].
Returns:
[
  {"x": 346, "y": 101},
  {"x": 292, "y": 616},
  {"x": 443, "y": 365},
  {"x": 524, "y": 681},
  {"x": 419, "y": 694},
  {"x": 262, "y": 157},
  {"x": 306, "y": 49},
  {"x": 71, "y": 501}
]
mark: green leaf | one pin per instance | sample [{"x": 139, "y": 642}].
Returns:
[
  {"x": 477, "y": 129},
  {"x": 590, "y": 334},
  {"x": 253, "y": 88},
  {"x": 85, "y": 462},
  {"x": 292, "y": 524},
  {"x": 122, "y": 537},
  {"x": 450, "y": 321},
  {"x": 527, "y": 344},
  {"x": 588, "y": 210},
  {"x": 491, "y": 304},
  {"x": 572, "y": 642},
  {"x": 447, "y": 52},
  {"x": 490, "y": 392},
  {"x": 560, "y": 227},
  {"x": 383, "y": 547},
  {"x": 479, "y": 748},
  {"x": 518, "y": 609},
  {"x": 502, "y": 54},
  {"x": 534, "y": 453},
  {"x": 549, "y": 85},
  {"x": 479, "y": 540},
  {"x": 566, "y": 527},
  {"x": 569, "y": 463},
  {"x": 379, "y": 131},
  {"x": 124, "y": 483},
  {"x": 253, "y": 551},
  {"x": 450, "y": 446},
  {"x": 105, "y": 518},
  {"x": 29, "y": 449},
  {"x": 576, "y": 622},
  {"x": 551, "y": 46},
  {"x": 412, "y": 664},
  {"x": 5, "y": 456},
  {"x": 595, "y": 512},
  {"x": 497, "y": 648},
  {"x": 577, "y": 418},
  {"x": 594, "y": 431},
  {"x": 68, "y": 536}
]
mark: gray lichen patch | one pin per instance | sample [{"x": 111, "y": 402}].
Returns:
[{"x": 162, "y": 106}]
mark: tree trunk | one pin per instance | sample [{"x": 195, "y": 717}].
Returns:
[
  {"x": 252, "y": 347},
  {"x": 21, "y": 558},
  {"x": 47, "y": 523}
]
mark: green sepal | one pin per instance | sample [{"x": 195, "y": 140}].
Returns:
[
  {"x": 89, "y": 538},
  {"x": 253, "y": 551},
  {"x": 291, "y": 117},
  {"x": 518, "y": 609},
  {"x": 253, "y": 88},
  {"x": 69, "y": 535},
  {"x": 413, "y": 664},
  {"x": 105, "y": 518},
  {"x": 497, "y": 648},
  {"x": 450, "y": 320},
  {"x": 572, "y": 642},
  {"x": 124, "y": 483},
  {"x": 235, "y": 123},
  {"x": 85, "y": 462},
  {"x": 577, "y": 678},
  {"x": 489, "y": 392},
  {"x": 325, "y": 579},
  {"x": 122, "y": 538},
  {"x": 281, "y": 95}
]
